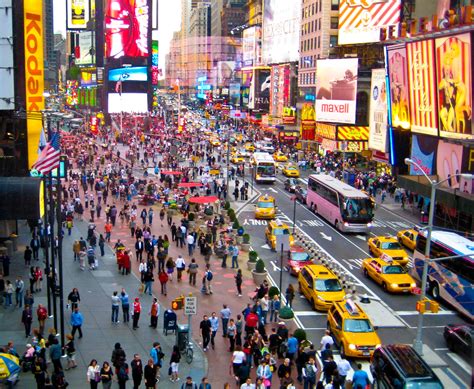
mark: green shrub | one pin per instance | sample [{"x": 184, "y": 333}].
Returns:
[
  {"x": 230, "y": 212},
  {"x": 246, "y": 238},
  {"x": 191, "y": 216},
  {"x": 227, "y": 205},
  {"x": 272, "y": 292},
  {"x": 235, "y": 225},
  {"x": 253, "y": 256},
  {"x": 260, "y": 266},
  {"x": 286, "y": 313},
  {"x": 300, "y": 334}
]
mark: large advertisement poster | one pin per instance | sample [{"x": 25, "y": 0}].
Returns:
[
  {"x": 251, "y": 47},
  {"x": 360, "y": 21},
  {"x": 423, "y": 152},
  {"x": 77, "y": 14},
  {"x": 126, "y": 28},
  {"x": 262, "y": 89},
  {"x": 421, "y": 73},
  {"x": 34, "y": 73},
  {"x": 279, "y": 89},
  {"x": 281, "y": 31},
  {"x": 86, "y": 44},
  {"x": 449, "y": 163},
  {"x": 378, "y": 111},
  {"x": 399, "y": 96},
  {"x": 234, "y": 94},
  {"x": 336, "y": 90},
  {"x": 454, "y": 75},
  {"x": 127, "y": 102},
  {"x": 225, "y": 72}
]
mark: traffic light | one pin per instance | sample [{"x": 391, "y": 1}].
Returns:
[
  {"x": 434, "y": 306},
  {"x": 421, "y": 306},
  {"x": 177, "y": 303}
]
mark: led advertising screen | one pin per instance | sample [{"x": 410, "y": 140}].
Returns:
[
  {"x": 378, "y": 111},
  {"x": 88, "y": 77},
  {"x": 399, "y": 95},
  {"x": 126, "y": 28},
  {"x": 86, "y": 43},
  {"x": 225, "y": 72},
  {"x": 136, "y": 73},
  {"x": 7, "y": 92},
  {"x": 77, "y": 14},
  {"x": 448, "y": 164},
  {"x": 251, "y": 47},
  {"x": 336, "y": 90},
  {"x": 279, "y": 89},
  {"x": 454, "y": 75},
  {"x": 281, "y": 31},
  {"x": 154, "y": 62},
  {"x": 260, "y": 90},
  {"x": 128, "y": 102},
  {"x": 423, "y": 152},
  {"x": 360, "y": 21},
  {"x": 234, "y": 94},
  {"x": 421, "y": 73}
]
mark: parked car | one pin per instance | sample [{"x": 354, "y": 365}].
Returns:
[{"x": 459, "y": 339}]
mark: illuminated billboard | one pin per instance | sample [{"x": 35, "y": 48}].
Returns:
[
  {"x": 281, "y": 31},
  {"x": 251, "y": 46},
  {"x": 126, "y": 28},
  {"x": 378, "y": 111},
  {"x": 399, "y": 94},
  {"x": 421, "y": 72},
  {"x": 128, "y": 102},
  {"x": 86, "y": 44},
  {"x": 280, "y": 89},
  {"x": 448, "y": 164},
  {"x": 225, "y": 72},
  {"x": 336, "y": 90},
  {"x": 128, "y": 74},
  {"x": 454, "y": 75},
  {"x": 77, "y": 14},
  {"x": 260, "y": 89},
  {"x": 7, "y": 92},
  {"x": 154, "y": 62},
  {"x": 360, "y": 21},
  {"x": 34, "y": 73}
]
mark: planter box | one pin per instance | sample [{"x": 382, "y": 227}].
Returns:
[
  {"x": 251, "y": 265},
  {"x": 245, "y": 247},
  {"x": 258, "y": 278}
]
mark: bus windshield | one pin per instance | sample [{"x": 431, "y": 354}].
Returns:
[
  {"x": 357, "y": 209},
  {"x": 266, "y": 170}
]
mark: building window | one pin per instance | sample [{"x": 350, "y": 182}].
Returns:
[
  {"x": 332, "y": 40},
  {"x": 334, "y": 5},
  {"x": 334, "y": 22}
]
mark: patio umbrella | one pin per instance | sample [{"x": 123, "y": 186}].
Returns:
[
  {"x": 9, "y": 365},
  {"x": 189, "y": 184},
  {"x": 203, "y": 199}
]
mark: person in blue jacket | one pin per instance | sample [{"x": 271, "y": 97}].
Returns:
[{"x": 76, "y": 322}]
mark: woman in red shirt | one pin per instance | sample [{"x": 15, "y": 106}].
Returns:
[
  {"x": 126, "y": 264},
  {"x": 137, "y": 308}
]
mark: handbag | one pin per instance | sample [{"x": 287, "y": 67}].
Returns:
[
  {"x": 97, "y": 377},
  {"x": 170, "y": 370}
]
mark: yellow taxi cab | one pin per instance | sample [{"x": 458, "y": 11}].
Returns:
[
  {"x": 352, "y": 330},
  {"x": 237, "y": 158},
  {"x": 279, "y": 157},
  {"x": 265, "y": 207},
  {"x": 390, "y": 275},
  {"x": 290, "y": 171},
  {"x": 408, "y": 238},
  {"x": 320, "y": 286},
  {"x": 388, "y": 245},
  {"x": 238, "y": 137},
  {"x": 249, "y": 147},
  {"x": 274, "y": 228},
  {"x": 215, "y": 142}
]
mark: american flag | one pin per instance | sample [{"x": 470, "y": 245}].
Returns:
[{"x": 49, "y": 157}]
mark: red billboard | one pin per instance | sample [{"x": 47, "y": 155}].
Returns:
[
  {"x": 126, "y": 28},
  {"x": 421, "y": 73}
]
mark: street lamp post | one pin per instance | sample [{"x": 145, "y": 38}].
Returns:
[{"x": 418, "y": 342}]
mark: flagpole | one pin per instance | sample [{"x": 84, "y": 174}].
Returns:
[{"x": 45, "y": 226}]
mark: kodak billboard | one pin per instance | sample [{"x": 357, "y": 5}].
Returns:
[{"x": 34, "y": 73}]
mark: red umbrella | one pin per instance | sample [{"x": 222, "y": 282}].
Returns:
[
  {"x": 171, "y": 172},
  {"x": 189, "y": 184},
  {"x": 203, "y": 199}
]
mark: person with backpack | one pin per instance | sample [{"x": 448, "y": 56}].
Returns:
[
  {"x": 310, "y": 372},
  {"x": 189, "y": 384},
  {"x": 207, "y": 280},
  {"x": 27, "y": 319},
  {"x": 91, "y": 257},
  {"x": 122, "y": 375}
]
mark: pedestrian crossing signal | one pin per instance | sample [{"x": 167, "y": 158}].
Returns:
[{"x": 177, "y": 303}]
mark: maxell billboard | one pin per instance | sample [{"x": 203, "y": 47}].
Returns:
[
  {"x": 34, "y": 72},
  {"x": 336, "y": 90}
]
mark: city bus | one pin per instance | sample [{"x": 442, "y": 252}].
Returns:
[
  {"x": 264, "y": 170},
  {"x": 347, "y": 208},
  {"x": 450, "y": 280}
]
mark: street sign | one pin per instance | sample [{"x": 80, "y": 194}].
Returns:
[
  {"x": 416, "y": 290},
  {"x": 190, "y": 305}
]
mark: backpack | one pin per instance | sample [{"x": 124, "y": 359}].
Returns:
[
  {"x": 310, "y": 373},
  {"x": 122, "y": 373},
  {"x": 209, "y": 276}
]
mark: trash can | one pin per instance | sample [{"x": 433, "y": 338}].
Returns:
[
  {"x": 9, "y": 245},
  {"x": 182, "y": 336},
  {"x": 14, "y": 239}
]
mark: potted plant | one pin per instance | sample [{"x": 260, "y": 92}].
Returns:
[
  {"x": 245, "y": 246},
  {"x": 300, "y": 334},
  {"x": 286, "y": 313},
  {"x": 272, "y": 292},
  {"x": 191, "y": 217},
  {"x": 251, "y": 263},
  {"x": 173, "y": 208},
  {"x": 259, "y": 274},
  {"x": 235, "y": 226},
  {"x": 227, "y": 205}
]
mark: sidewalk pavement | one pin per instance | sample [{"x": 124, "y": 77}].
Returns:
[
  {"x": 100, "y": 335},
  {"x": 410, "y": 212}
]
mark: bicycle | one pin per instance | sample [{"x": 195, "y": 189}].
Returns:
[{"x": 187, "y": 350}]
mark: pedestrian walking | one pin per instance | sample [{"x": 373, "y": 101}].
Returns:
[
  {"x": 55, "y": 354},
  {"x": 225, "y": 316},
  {"x": 290, "y": 295},
  {"x": 193, "y": 270},
  {"x": 70, "y": 352},
  {"x": 149, "y": 374},
  {"x": 207, "y": 280},
  {"x": 310, "y": 374},
  {"x": 137, "y": 308},
  {"x": 148, "y": 280},
  {"x": 163, "y": 277},
  {"x": 275, "y": 306},
  {"x": 174, "y": 364},
  {"x": 27, "y": 255},
  {"x": 19, "y": 291},
  {"x": 125, "y": 306},
  {"x": 180, "y": 267},
  {"x": 116, "y": 301},
  {"x": 102, "y": 245},
  {"x": 170, "y": 265},
  {"x": 238, "y": 282},
  {"x": 214, "y": 327},
  {"x": 42, "y": 314},
  {"x": 154, "y": 313},
  {"x": 27, "y": 319},
  {"x": 106, "y": 375},
  {"x": 76, "y": 322},
  {"x": 206, "y": 330},
  {"x": 231, "y": 333},
  {"x": 137, "y": 371},
  {"x": 74, "y": 298}
]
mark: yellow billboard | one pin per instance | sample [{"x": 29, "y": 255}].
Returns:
[{"x": 34, "y": 73}]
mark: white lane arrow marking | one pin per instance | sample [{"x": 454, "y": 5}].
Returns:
[
  {"x": 299, "y": 223},
  {"x": 272, "y": 190},
  {"x": 324, "y": 236},
  {"x": 266, "y": 246},
  {"x": 275, "y": 267},
  {"x": 351, "y": 266},
  {"x": 361, "y": 237}
]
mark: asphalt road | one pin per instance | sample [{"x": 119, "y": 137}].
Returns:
[{"x": 395, "y": 315}]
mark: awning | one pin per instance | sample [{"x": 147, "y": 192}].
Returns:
[
  {"x": 189, "y": 184},
  {"x": 203, "y": 199},
  {"x": 170, "y": 172}
]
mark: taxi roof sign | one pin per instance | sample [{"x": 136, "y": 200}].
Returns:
[{"x": 351, "y": 307}]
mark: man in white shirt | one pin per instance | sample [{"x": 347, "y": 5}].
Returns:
[
  {"x": 190, "y": 241},
  {"x": 248, "y": 384},
  {"x": 326, "y": 339},
  {"x": 343, "y": 367},
  {"x": 180, "y": 266}
]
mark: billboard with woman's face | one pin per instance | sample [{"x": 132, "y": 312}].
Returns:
[
  {"x": 454, "y": 75},
  {"x": 397, "y": 71}
]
